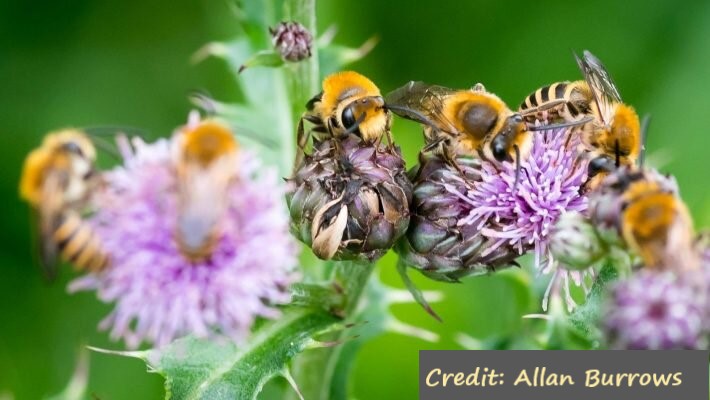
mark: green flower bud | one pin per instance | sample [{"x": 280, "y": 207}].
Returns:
[{"x": 574, "y": 242}]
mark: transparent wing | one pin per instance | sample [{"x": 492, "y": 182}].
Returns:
[
  {"x": 423, "y": 103},
  {"x": 600, "y": 83}
]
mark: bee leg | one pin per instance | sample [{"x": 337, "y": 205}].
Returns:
[
  {"x": 451, "y": 160},
  {"x": 517, "y": 167},
  {"x": 390, "y": 140},
  {"x": 301, "y": 141},
  {"x": 569, "y": 138}
]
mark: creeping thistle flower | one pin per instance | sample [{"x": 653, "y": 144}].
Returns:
[
  {"x": 292, "y": 40},
  {"x": 483, "y": 222},
  {"x": 350, "y": 199},
  {"x": 657, "y": 311},
  {"x": 160, "y": 293}
]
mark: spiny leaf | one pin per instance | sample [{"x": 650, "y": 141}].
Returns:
[
  {"x": 265, "y": 58},
  {"x": 220, "y": 369},
  {"x": 333, "y": 57},
  {"x": 414, "y": 290}
]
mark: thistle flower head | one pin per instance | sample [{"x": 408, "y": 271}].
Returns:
[
  {"x": 463, "y": 226},
  {"x": 292, "y": 40},
  {"x": 159, "y": 293},
  {"x": 657, "y": 311},
  {"x": 350, "y": 199}
]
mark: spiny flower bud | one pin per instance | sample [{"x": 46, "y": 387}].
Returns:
[
  {"x": 574, "y": 242},
  {"x": 292, "y": 40},
  {"x": 437, "y": 244},
  {"x": 350, "y": 200}
]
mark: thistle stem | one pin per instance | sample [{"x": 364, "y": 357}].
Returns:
[
  {"x": 303, "y": 76},
  {"x": 352, "y": 279},
  {"x": 349, "y": 278}
]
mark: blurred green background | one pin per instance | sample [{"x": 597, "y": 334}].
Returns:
[{"x": 98, "y": 62}]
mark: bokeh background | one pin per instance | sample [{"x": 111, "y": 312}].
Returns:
[{"x": 100, "y": 62}]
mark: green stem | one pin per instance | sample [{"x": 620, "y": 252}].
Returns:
[
  {"x": 304, "y": 76},
  {"x": 352, "y": 278},
  {"x": 348, "y": 277}
]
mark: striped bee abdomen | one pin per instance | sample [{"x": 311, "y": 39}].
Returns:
[
  {"x": 545, "y": 94},
  {"x": 79, "y": 244}
]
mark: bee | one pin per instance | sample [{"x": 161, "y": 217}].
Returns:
[
  {"x": 349, "y": 103},
  {"x": 57, "y": 181},
  {"x": 654, "y": 221},
  {"x": 611, "y": 130},
  {"x": 470, "y": 122},
  {"x": 205, "y": 162}
]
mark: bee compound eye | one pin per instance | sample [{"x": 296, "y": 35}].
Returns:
[
  {"x": 499, "y": 150},
  {"x": 348, "y": 117},
  {"x": 72, "y": 147},
  {"x": 600, "y": 164}
]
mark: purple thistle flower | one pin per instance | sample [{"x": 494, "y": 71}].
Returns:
[
  {"x": 656, "y": 311},
  {"x": 159, "y": 294},
  {"x": 522, "y": 217},
  {"x": 496, "y": 221},
  {"x": 292, "y": 40},
  {"x": 550, "y": 180}
]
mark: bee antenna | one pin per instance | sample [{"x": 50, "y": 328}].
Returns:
[
  {"x": 616, "y": 150},
  {"x": 644, "y": 137},
  {"x": 356, "y": 124},
  {"x": 560, "y": 125},
  {"x": 517, "y": 167},
  {"x": 417, "y": 116}
]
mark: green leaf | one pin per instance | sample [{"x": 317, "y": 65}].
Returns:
[
  {"x": 264, "y": 58},
  {"x": 586, "y": 317},
  {"x": 219, "y": 369},
  {"x": 334, "y": 57},
  {"x": 414, "y": 290}
]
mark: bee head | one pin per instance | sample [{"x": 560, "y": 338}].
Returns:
[
  {"x": 513, "y": 133},
  {"x": 366, "y": 117},
  {"x": 73, "y": 143}
]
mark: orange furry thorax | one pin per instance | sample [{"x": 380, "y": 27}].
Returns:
[
  {"x": 626, "y": 129},
  {"x": 342, "y": 85},
  {"x": 457, "y": 106},
  {"x": 208, "y": 141}
]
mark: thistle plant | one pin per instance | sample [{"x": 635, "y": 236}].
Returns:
[{"x": 223, "y": 326}]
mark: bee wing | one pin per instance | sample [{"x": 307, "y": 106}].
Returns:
[
  {"x": 203, "y": 201},
  {"x": 48, "y": 217},
  {"x": 101, "y": 137},
  {"x": 423, "y": 103},
  {"x": 600, "y": 83}
]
